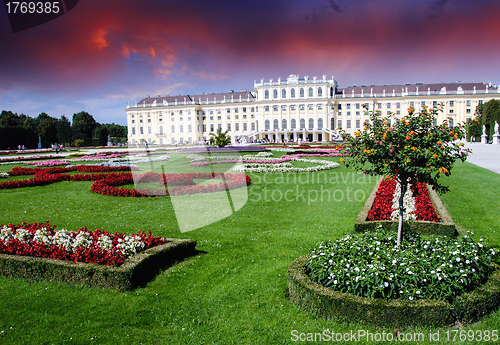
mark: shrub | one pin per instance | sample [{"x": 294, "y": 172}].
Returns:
[{"x": 370, "y": 265}]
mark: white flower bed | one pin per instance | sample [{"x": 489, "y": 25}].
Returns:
[
  {"x": 4, "y": 175},
  {"x": 408, "y": 204},
  {"x": 286, "y": 167}
]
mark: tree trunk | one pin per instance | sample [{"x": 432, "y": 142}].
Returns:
[{"x": 404, "y": 187}]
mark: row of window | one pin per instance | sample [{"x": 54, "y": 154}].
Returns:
[{"x": 293, "y": 93}]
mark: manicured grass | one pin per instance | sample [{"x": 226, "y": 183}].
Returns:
[{"x": 234, "y": 290}]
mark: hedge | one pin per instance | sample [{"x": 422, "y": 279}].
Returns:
[
  {"x": 136, "y": 271},
  {"x": 324, "y": 302},
  {"x": 446, "y": 227}
]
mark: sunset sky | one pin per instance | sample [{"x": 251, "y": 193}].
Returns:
[{"x": 105, "y": 53}]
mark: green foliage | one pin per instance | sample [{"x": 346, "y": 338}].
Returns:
[
  {"x": 64, "y": 131},
  {"x": 220, "y": 138},
  {"x": 136, "y": 271},
  {"x": 83, "y": 125},
  {"x": 486, "y": 115},
  {"x": 368, "y": 265},
  {"x": 411, "y": 149}
]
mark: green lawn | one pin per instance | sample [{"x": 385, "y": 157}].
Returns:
[{"x": 234, "y": 290}]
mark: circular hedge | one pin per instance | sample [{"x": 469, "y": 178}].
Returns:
[{"x": 322, "y": 301}]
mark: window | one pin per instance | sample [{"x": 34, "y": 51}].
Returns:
[
  {"x": 339, "y": 123},
  {"x": 283, "y": 108},
  {"x": 389, "y": 122},
  {"x": 302, "y": 107},
  {"x": 293, "y": 124},
  {"x": 244, "y": 109},
  {"x": 244, "y": 116},
  {"x": 253, "y": 126},
  {"x": 283, "y": 93},
  {"x": 320, "y": 123},
  {"x": 172, "y": 119},
  {"x": 228, "y": 110},
  {"x": 467, "y": 111},
  {"x": 311, "y": 123},
  {"x": 266, "y": 94},
  {"x": 172, "y": 129},
  {"x": 332, "y": 123},
  {"x": 133, "y": 121},
  {"x": 218, "y": 111},
  {"x": 434, "y": 104},
  {"x": 140, "y": 121},
  {"x": 204, "y": 128},
  {"x": 467, "y": 103},
  {"x": 235, "y": 110},
  {"x": 388, "y": 105},
  {"x": 302, "y": 123},
  {"x": 423, "y": 103},
  {"x": 141, "y": 130},
  {"x": 358, "y": 123},
  {"x": 412, "y": 104},
  {"x": 348, "y": 106},
  {"x": 275, "y": 93},
  {"x": 267, "y": 124},
  {"x": 252, "y": 109},
  {"x": 480, "y": 102},
  {"x": 229, "y": 127},
  {"x": 189, "y": 128},
  {"x": 348, "y": 125},
  {"x": 266, "y": 108},
  {"x": 292, "y": 93},
  {"x": 229, "y": 117},
  {"x": 133, "y": 130},
  {"x": 149, "y": 129},
  {"x": 275, "y": 124},
  {"x": 320, "y": 106},
  {"x": 379, "y": 105},
  {"x": 358, "y": 106},
  {"x": 301, "y": 92},
  {"x": 452, "y": 103},
  {"x": 310, "y": 92},
  {"x": 211, "y": 127},
  {"x": 219, "y": 125},
  {"x": 181, "y": 128},
  {"x": 320, "y": 92},
  {"x": 339, "y": 106},
  {"x": 275, "y": 108},
  {"x": 211, "y": 118},
  {"x": 245, "y": 126},
  {"x": 310, "y": 107},
  {"x": 160, "y": 120},
  {"x": 293, "y": 107},
  {"x": 180, "y": 112},
  {"x": 348, "y": 113},
  {"x": 283, "y": 124},
  {"x": 237, "y": 126}
]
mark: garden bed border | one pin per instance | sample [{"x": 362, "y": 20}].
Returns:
[
  {"x": 446, "y": 227},
  {"x": 136, "y": 271},
  {"x": 316, "y": 299}
]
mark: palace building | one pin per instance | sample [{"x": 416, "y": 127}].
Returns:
[{"x": 292, "y": 109}]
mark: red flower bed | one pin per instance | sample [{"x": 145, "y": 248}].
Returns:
[
  {"x": 107, "y": 183},
  {"x": 178, "y": 184},
  {"x": 25, "y": 239},
  {"x": 382, "y": 207}
]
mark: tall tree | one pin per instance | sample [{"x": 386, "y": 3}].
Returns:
[
  {"x": 83, "y": 125},
  {"x": 64, "y": 131},
  {"x": 411, "y": 150}
]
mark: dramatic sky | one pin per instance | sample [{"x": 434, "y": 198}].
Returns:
[{"x": 105, "y": 53}]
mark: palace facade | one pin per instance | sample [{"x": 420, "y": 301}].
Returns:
[{"x": 292, "y": 109}]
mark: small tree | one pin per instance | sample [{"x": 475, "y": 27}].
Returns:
[
  {"x": 220, "y": 138},
  {"x": 410, "y": 150}
]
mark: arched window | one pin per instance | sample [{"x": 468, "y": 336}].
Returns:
[
  {"x": 302, "y": 123},
  {"x": 283, "y": 124},
  {"x": 332, "y": 123},
  {"x": 311, "y": 123},
  {"x": 320, "y": 92},
  {"x": 283, "y": 93},
  {"x": 275, "y": 93},
  {"x": 267, "y": 124},
  {"x": 310, "y": 92},
  {"x": 320, "y": 123},
  {"x": 331, "y": 92},
  {"x": 275, "y": 124},
  {"x": 301, "y": 92},
  {"x": 266, "y": 94},
  {"x": 292, "y": 93}
]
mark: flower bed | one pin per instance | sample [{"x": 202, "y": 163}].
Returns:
[
  {"x": 135, "y": 271},
  {"x": 379, "y": 209},
  {"x": 99, "y": 247},
  {"x": 280, "y": 165},
  {"x": 178, "y": 184},
  {"x": 50, "y": 163}
]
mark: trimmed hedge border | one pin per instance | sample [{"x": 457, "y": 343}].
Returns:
[
  {"x": 446, "y": 227},
  {"x": 136, "y": 271},
  {"x": 324, "y": 302}
]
